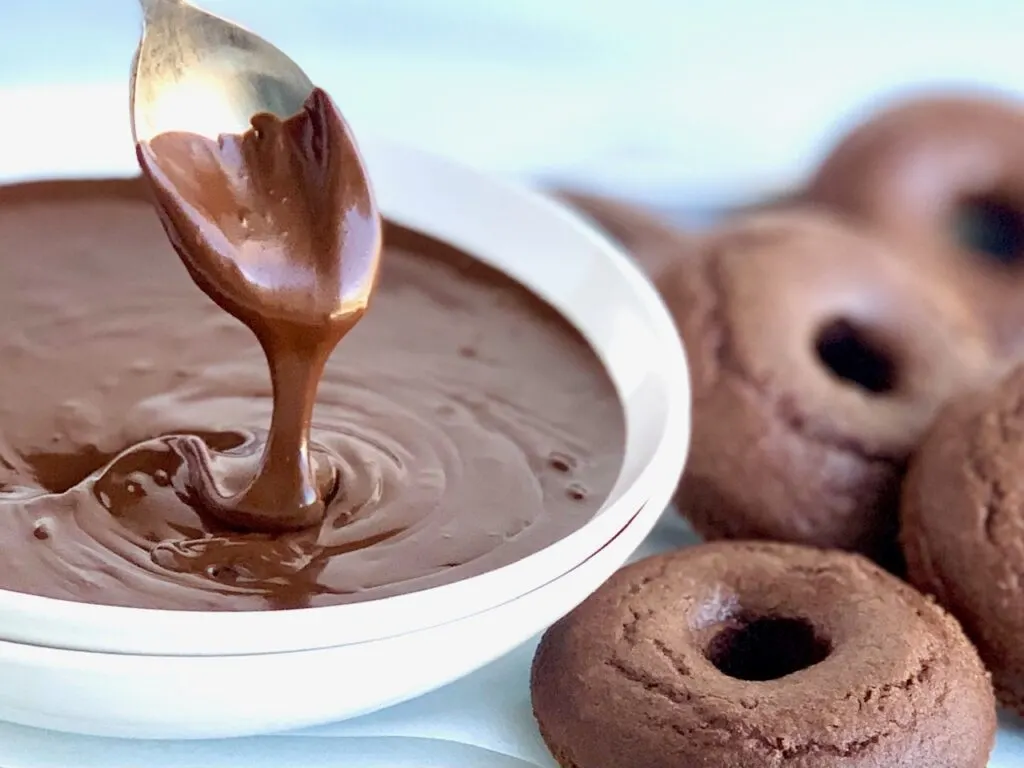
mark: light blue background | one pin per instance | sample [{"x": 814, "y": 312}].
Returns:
[{"x": 692, "y": 101}]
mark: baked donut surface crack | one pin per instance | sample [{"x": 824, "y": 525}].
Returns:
[
  {"x": 963, "y": 524},
  {"x": 750, "y": 654},
  {"x": 818, "y": 358}
]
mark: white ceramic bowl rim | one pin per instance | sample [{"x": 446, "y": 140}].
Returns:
[
  {"x": 225, "y": 696},
  {"x": 554, "y": 254}
]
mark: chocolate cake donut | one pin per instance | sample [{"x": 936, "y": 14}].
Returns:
[
  {"x": 818, "y": 358},
  {"x": 653, "y": 243},
  {"x": 963, "y": 524},
  {"x": 761, "y": 654},
  {"x": 946, "y": 176}
]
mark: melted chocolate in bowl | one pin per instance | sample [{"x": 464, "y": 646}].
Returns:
[{"x": 467, "y": 424}]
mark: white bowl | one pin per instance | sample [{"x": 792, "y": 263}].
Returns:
[
  {"x": 181, "y": 697},
  {"x": 560, "y": 258}
]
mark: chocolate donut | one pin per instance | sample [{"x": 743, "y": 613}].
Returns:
[
  {"x": 946, "y": 176},
  {"x": 761, "y": 654},
  {"x": 963, "y": 524},
  {"x": 652, "y": 242},
  {"x": 818, "y": 358}
]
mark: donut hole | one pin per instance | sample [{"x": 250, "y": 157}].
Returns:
[
  {"x": 852, "y": 356},
  {"x": 993, "y": 227},
  {"x": 766, "y": 648}
]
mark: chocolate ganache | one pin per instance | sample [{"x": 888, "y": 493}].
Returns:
[
  {"x": 279, "y": 227},
  {"x": 461, "y": 424}
]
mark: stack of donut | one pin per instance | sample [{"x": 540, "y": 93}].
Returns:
[{"x": 857, "y": 472}]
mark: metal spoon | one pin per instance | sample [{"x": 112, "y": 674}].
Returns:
[{"x": 198, "y": 73}]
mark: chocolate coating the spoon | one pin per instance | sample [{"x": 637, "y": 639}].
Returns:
[{"x": 278, "y": 226}]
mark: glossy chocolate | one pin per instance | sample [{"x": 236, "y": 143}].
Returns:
[
  {"x": 279, "y": 227},
  {"x": 465, "y": 424}
]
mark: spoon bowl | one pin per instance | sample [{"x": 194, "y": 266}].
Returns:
[{"x": 194, "y": 72}]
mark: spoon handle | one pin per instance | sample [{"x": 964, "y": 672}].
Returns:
[{"x": 153, "y": 7}]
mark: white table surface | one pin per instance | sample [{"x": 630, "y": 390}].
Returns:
[{"x": 691, "y": 103}]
